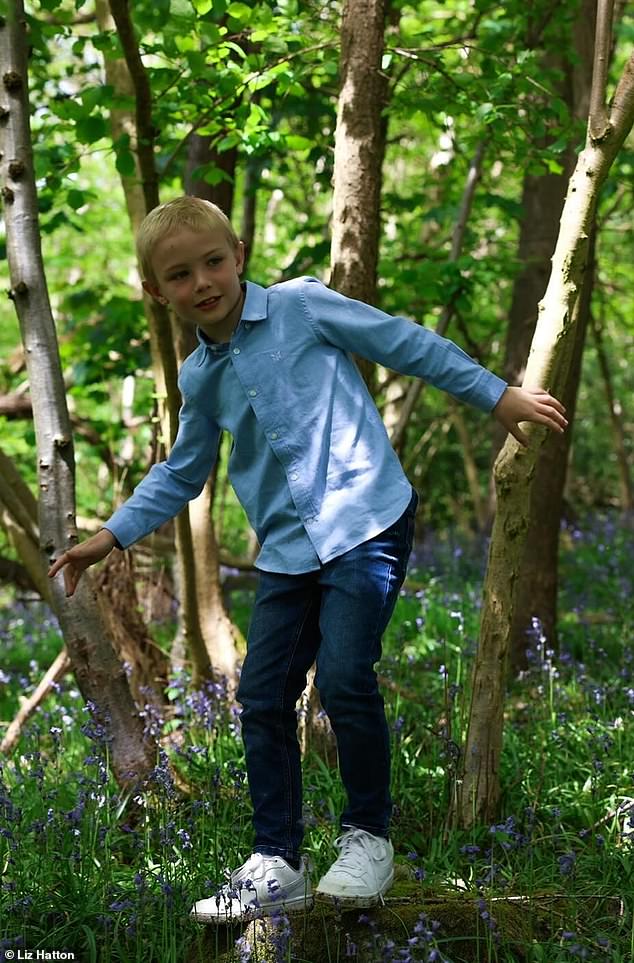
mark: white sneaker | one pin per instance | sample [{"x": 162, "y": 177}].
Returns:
[
  {"x": 362, "y": 874},
  {"x": 264, "y": 885}
]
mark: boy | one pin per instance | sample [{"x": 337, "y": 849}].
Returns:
[{"x": 334, "y": 515}]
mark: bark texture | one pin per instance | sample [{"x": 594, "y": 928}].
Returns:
[
  {"x": 542, "y": 200},
  {"x": 99, "y": 673},
  {"x": 359, "y": 151},
  {"x": 548, "y": 366}
]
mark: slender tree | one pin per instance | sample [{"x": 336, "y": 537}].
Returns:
[
  {"x": 543, "y": 198},
  {"x": 359, "y": 151},
  {"x": 626, "y": 483},
  {"x": 100, "y": 675},
  {"x": 128, "y": 75},
  {"x": 222, "y": 637},
  {"x": 548, "y": 364}
]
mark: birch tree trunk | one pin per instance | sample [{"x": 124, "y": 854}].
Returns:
[
  {"x": 100, "y": 675},
  {"x": 547, "y": 367},
  {"x": 542, "y": 200},
  {"x": 359, "y": 150}
]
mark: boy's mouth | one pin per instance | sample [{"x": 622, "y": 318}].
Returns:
[{"x": 208, "y": 302}]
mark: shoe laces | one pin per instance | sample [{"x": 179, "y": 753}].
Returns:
[{"x": 352, "y": 844}]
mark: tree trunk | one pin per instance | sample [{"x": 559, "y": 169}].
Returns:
[
  {"x": 542, "y": 200},
  {"x": 626, "y": 487},
  {"x": 252, "y": 173},
  {"x": 547, "y": 366},
  {"x": 359, "y": 150},
  {"x": 537, "y": 588},
  {"x": 470, "y": 467},
  {"x": 200, "y": 154},
  {"x": 142, "y": 196},
  {"x": 222, "y": 638},
  {"x": 18, "y": 517},
  {"x": 100, "y": 675}
]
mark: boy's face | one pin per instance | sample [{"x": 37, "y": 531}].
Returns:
[{"x": 198, "y": 274}]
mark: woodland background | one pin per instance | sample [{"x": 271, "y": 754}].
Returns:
[{"x": 447, "y": 198}]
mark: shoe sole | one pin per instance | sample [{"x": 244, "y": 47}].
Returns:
[
  {"x": 270, "y": 909},
  {"x": 358, "y": 902}
]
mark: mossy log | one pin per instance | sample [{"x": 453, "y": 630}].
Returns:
[{"x": 464, "y": 929}]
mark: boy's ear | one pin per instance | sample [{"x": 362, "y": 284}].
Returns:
[
  {"x": 154, "y": 292},
  {"x": 239, "y": 255}
]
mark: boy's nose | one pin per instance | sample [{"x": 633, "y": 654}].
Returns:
[{"x": 201, "y": 280}]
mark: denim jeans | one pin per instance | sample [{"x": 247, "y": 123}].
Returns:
[{"x": 335, "y": 616}]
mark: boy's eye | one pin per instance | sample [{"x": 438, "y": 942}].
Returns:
[
  {"x": 214, "y": 260},
  {"x": 177, "y": 275}
]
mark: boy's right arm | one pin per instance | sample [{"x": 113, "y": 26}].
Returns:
[{"x": 161, "y": 495}]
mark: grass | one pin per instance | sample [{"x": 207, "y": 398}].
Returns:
[{"x": 87, "y": 870}]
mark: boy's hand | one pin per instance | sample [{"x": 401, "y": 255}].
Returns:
[
  {"x": 529, "y": 404},
  {"x": 78, "y": 558}
]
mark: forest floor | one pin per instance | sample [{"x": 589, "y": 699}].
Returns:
[{"x": 87, "y": 870}]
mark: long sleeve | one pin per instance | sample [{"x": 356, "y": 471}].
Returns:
[
  {"x": 172, "y": 483},
  {"x": 400, "y": 344}
]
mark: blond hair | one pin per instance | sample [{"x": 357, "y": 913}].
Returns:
[{"x": 189, "y": 212}]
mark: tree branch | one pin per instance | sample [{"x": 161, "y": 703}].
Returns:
[
  {"x": 143, "y": 97},
  {"x": 598, "y": 114}
]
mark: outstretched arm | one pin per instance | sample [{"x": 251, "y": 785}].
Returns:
[
  {"x": 77, "y": 559},
  {"x": 529, "y": 404}
]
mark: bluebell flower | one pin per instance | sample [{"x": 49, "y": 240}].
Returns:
[{"x": 567, "y": 863}]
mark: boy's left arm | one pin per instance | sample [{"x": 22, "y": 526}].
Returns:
[{"x": 412, "y": 349}]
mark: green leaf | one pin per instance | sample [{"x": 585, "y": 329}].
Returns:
[
  {"x": 202, "y": 6},
  {"x": 214, "y": 175},
  {"x": 239, "y": 11},
  {"x": 295, "y": 142},
  {"x": 125, "y": 163},
  {"x": 76, "y": 199},
  {"x": 91, "y": 128},
  {"x": 484, "y": 110},
  {"x": 553, "y": 166}
]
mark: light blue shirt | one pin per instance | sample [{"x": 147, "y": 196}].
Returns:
[{"x": 311, "y": 462}]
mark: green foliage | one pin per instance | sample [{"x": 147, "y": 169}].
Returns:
[{"x": 262, "y": 79}]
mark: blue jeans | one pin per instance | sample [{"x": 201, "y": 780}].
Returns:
[{"x": 335, "y": 615}]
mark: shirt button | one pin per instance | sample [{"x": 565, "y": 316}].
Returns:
[
  {"x": 273, "y": 435},
  {"x": 236, "y": 350},
  {"x": 247, "y": 326},
  {"x": 294, "y": 476},
  {"x": 253, "y": 393}
]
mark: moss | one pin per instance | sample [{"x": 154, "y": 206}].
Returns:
[{"x": 328, "y": 936}]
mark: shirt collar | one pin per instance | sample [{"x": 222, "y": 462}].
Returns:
[{"x": 255, "y": 308}]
